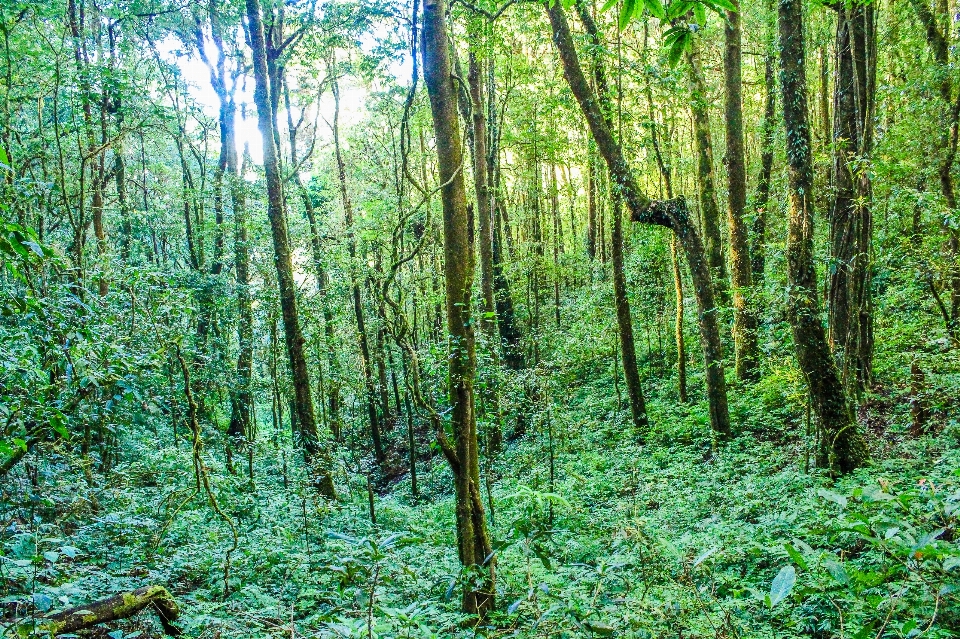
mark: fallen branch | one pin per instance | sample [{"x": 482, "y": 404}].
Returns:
[{"x": 119, "y": 606}]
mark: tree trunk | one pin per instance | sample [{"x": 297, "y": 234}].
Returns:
[
  {"x": 488, "y": 316},
  {"x": 591, "y": 201},
  {"x": 940, "y": 47},
  {"x": 628, "y": 352},
  {"x": 709, "y": 210},
  {"x": 317, "y": 456},
  {"x": 365, "y": 361},
  {"x": 485, "y": 219},
  {"x": 744, "y": 315},
  {"x": 510, "y": 336},
  {"x": 843, "y": 447},
  {"x": 241, "y": 400},
  {"x": 121, "y": 606},
  {"x": 472, "y": 537},
  {"x": 849, "y": 299},
  {"x": 762, "y": 194},
  {"x": 671, "y": 214}
]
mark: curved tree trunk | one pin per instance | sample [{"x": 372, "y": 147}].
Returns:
[
  {"x": 671, "y": 214},
  {"x": 628, "y": 350}
]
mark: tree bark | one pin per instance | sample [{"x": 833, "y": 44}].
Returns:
[
  {"x": 762, "y": 194},
  {"x": 317, "y": 455},
  {"x": 671, "y": 214},
  {"x": 472, "y": 537},
  {"x": 120, "y": 606},
  {"x": 842, "y": 448},
  {"x": 744, "y": 314},
  {"x": 709, "y": 209},
  {"x": 849, "y": 299}
]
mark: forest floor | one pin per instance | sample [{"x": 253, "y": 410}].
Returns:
[{"x": 660, "y": 538}]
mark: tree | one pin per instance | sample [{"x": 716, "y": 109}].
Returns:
[
  {"x": 473, "y": 540},
  {"x": 842, "y": 446},
  {"x": 315, "y": 452},
  {"x": 671, "y": 214},
  {"x": 741, "y": 277}
]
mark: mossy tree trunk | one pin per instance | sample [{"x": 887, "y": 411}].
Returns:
[
  {"x": 741, "y": 278},
  {"x": 316, "y": 454},
  {"x": 842, "y": 446},
  {"x": 120, "y": 606},
  {"x": 672, "y": 214},
  {"x": 628, "y": 350},
  {"x": 473, "y": 541}
]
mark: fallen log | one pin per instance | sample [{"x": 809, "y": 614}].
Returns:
[{"x": 119, "y": 606}]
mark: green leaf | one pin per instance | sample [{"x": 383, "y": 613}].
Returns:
[
  {"x": 70, "y": 551},
  {"x": 721, "y": 5},
  {"x": 700, "y": 15},
  {"x": 608, "y": 5},
  {"x": 703, "y": 556},
  {"x": 543, "y": 556},
  {"x": 626, "y": 12},
  {"x": 836, "y": 498},
  {"x": 795, "y": 555},
  {"x": 951, "y": 562},
  {"x": 837, "y": 571},
  {"x": 677, "y": 9},
  {"x": 782, "y": 584},
  {"x": 599, "y": 627},
  {"x": 656, "y": 9},
  {"x": 678, "y": 48},
  {"x": 42, "y": 602},
  {"x": 52, "y": 556}
]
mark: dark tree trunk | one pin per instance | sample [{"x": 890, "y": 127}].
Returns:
[
  {"x": 628, "y": 351},
  {"x": 762, "y": 194},
  {"x": 241, "y": 400},
  {"x": 591, "y": 201},
  {"x": 940, "y": 47},
  {"x": 849, "y": 300},
  {"x": 744, "y": 314},
  {"x": 671, "y": 214},
  {"x": 843, "y": 447},
  {"x": 316, "y": 455},
  {"x": 510, "y": 336},
  {"x": 463, "y": 456}
]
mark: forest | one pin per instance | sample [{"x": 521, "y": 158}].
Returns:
[{"x": 408, "y": 319}]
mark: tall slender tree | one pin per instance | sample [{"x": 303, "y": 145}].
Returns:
[
  {"x": 741, "y": 277},
  {"x": 672, "y": 214},
  {"x": 315, "y": 452},
  {"x": 473, "y": 540}
]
